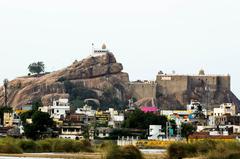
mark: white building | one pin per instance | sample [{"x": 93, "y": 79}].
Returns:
[
  {"x": 211, "y": 121},
  {"x": 236, "y": 128},
  {"x": 73, "y": 132},
  {"x": 116, "y": 118},
  {"x": 59, "y": 109},
  {"x": 44, "y": 109},
  {"x": 87, "y": 110},
  {"x": 225, "y": 109},
  {"x": 155, "y": 132}
]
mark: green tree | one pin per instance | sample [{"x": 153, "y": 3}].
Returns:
[
  {"x": 26, "y": 115},
  {"x": 140, "y": 120},
  {"x": 187, "y": 129},
  {"x": 36, "y": 103},
  {"x": 36, "y": 67},
  {"x": 41, "y": 123}
]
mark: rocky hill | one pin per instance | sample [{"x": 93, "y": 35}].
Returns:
[
  {"x": 96, "y": 72},
  {"x": 102, "y": 76}
]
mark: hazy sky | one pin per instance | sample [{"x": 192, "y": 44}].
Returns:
[{"x": 145, "y": 35}]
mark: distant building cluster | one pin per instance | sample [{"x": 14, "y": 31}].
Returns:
[{"x": 220, "y": 122}]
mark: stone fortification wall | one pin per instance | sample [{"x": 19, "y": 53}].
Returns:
[
  {"x": 207, "y": 89},
  {"x": 172, "y": 84},
  {"x": 178, "y": 90},
  {"x": 224, "y": 82},
  {"x": 141, "y": 90}
]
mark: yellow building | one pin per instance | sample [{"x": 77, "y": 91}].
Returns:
[{"x": 8, "y": 119}]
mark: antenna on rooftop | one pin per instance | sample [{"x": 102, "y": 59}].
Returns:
[{"x": 92, "y": 48}]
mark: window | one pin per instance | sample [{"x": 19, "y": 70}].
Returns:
[{"x": 104, "y": 133}]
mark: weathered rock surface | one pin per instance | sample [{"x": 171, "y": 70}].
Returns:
[
  {"x": 94, "y": 66},
  {"x": 97, "y": 72},
  {"x": 101, "y": 71}
]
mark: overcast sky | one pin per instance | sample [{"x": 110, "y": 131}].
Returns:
[{"x": 145, "y": 35}]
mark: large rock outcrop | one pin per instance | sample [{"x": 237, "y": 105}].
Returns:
[
  {"x": 97, "y": 72},
  {"x": 101, "y": 71}
]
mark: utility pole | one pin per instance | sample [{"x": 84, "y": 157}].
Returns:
[
  {"x": 168, "y": 133},
  {"x": 167, "y": 130},
  {"x": 207, "y": 88},
  {"x": 179, "y": 132},
  {"x": 5, "y": 84}
]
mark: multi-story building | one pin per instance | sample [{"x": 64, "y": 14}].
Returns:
[
  {"x": 102, "y": 118},
  {"x": 59, "y": 109},
  {"x": 72, "y": 130},
  {"x": 116, "y": 118},
  {"x": 74, "y": 126},
  {"x": 225, "y": 109},
  {"x": 87, "y": 110}
]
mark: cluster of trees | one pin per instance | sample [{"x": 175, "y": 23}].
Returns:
[
  {"x": 140, "y": 120},
  {"x": 78, "y": 94},
  {"x": 41, "y": 125}
]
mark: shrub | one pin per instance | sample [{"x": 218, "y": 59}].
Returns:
[
  {"x": 10, "y": 148},
  {"x": 225, "y": 150},
  {"x": 127, "y": 152},
  {"x": 113, "y": 152},
  {"x": 65, "y": 145},
  {"x": 45, "y": 145},
  {"x": 8, "y": 145},
  {"x": 29, "y": 146},
  {"x": 85, "y": 146},
  {"x": 207, "y": 148},
  {"x": 58, "y": 145},
  {"x": 181, "y": 150},
  {"x": 131, "y": 152},
  {"x": 203, "y": 147},
  {"x": 225, "y": 155}
]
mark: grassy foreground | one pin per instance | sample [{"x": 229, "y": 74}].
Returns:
[
  {"x": 205, "y": 149},
  {"x": 18, "y": 146},
  {"x": 69, "y": 149}
]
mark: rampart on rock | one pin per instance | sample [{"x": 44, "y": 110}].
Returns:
[
  {"x": 172, "y": 91},
  {"x": 101, "y": 71}
]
